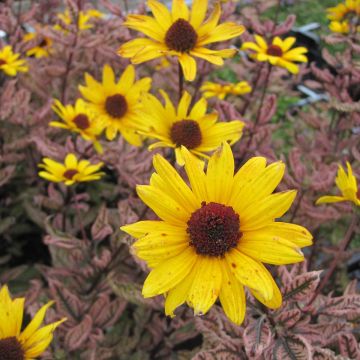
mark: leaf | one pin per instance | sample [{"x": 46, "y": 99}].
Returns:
[
  {"x": 6, "y": 174},
  {"x": 323, "y": 354},
  {"x": 257, "y": 337},
  {"x": 101, "y": 228},
  {"x": 349, "y": 346},
  {"x": 292, "y": 347},
  {"x": 342, "y": 306},
  {"x": 77, "y": 336},
  {"x": 302, "y": 286},
  {"x": 224, "y": 351},
  {"x": 289, "y": 318},
  {"x": 268, "y": 109}
]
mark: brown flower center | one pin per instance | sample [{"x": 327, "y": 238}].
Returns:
[
  {"x": 43, "y": 43},
  {"x": 70, "y": 173},
  {"x": 116, "y": 105},
  {"x": 2, "y": 62},
  {"x": 81, "y": 121},
  {"x": 187, "y": 133},
  {"x": 214, "y": 229},
  {"x": 274, "y": 50},
  {"x": 10, "y": 349},
  {"x": 181, "y": 36}
]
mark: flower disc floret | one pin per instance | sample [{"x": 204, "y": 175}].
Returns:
[
  {"x": 186, "y": 133},
  {"x": 82, "y": 121},
  {"x": 181, "y": 36},
  {"x": 116, "y": 105},
  {"x": 10, "y": 349},
  {"x": 274, "y": 50}
]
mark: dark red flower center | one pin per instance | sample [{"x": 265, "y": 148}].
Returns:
[
  {"x": 70, "y": 173},
  {"x": 81, "y": 121},
  {"x": 274, "y": 50},
  {"x": 116, "y": 105},
  {"x": 358, "y": 194},
  {"x": 10, "y": 349},
  {"x": 2, "y": 62},
  {"x": 181, "y": 36},
  {"x": 214, "y": 229},
  {"x": 187, "y": 133},
  {"x": 43, "y": 43}
]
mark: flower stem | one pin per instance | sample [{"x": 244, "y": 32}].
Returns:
[
  {"x": 342, "y": 247},
  {"x": 181, "y": 80}
]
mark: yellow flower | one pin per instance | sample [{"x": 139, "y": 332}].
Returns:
[
  {"x": 79, "y": 119},
  {"x": 347, "y": 185},
  {"x": 194, "y": 129},
  {"x": 212, "y": 238},
  {"x": 10, "y": 63},
  {"x": 211, "y": 89},
  {"x": 27, "y": 344},
  {"x": 42, "y": 49},
  {"x": 278, "y": 53},
  {"x": 84, "y": 18},
  {"x": 343, "y": 15},
  {"x": 118, "y": 103},
  {"x": 180, "y": 33},
  {"x": 72, "y": 171}
]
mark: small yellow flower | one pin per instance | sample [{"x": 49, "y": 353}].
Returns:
[
  {"x": 214, "y": 236},
  {"x": 84, "y": 18},
  {"x": 42, "y": 49},
  {"x": 181, "y": 33},
  {"x": 211, "y": 89},
  {"x": 10, "y": 63},
  {"x": 278, "y": 53},
  {"x": 117, "y": 104},
  {"x": 33, "y": 340},
  {"x": 343, "y": 15},
  {"x": 79, "y": 119},
  {"x": 347, "y": 185},
  {"x": 71, "y": 172},
  {"x": 197, "y": 131}
]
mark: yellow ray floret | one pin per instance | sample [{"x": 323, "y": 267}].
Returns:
[
  {"x": 215, "y": 235},
  {"x": 79, "y": 119},
  {"x": 181, "y": 33},
  {"x": 84, "y": 19},
  {"x": 193, "y": 128},
  {"x": 212, "y": 89},
  {"x": 348, "y": 186},
  {"x": 43, "y": 45},
  {"x": 71, "y": 172},
  {"x": 278, "y": 53},
  {"x": 10, "y": 63},
  {"x": 27, "y": 344},
  {"x": 117, "y": 104}
]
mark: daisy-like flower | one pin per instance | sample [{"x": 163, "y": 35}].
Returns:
[
  {"x": 347, "y": 184},
  {"x": 117, "y": 103},
  {"x": 84, "y": 21},
  {"x": 71, "y": 172},
  {"x": 43, "y": 47},
  {"x": 79, "y": 119},
  {"x": 278, "y": 53},
  {"x": 33, "y": 340},
  {"x": 211, "y": 89},
  {"x": 10, "y": 63},
  {"x": 344, "y": 16},
  {"x": 180, "y": 33},
  {"x": 212, "y": 238},
  {"x": 197, "y": 131}
]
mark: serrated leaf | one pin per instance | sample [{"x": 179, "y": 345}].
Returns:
[
  {"x": 292, "y": 348},
  {"x": 349, "y": 346},
  {"x": 78, "y": 335},
  {"x": 257, "y": 337}
]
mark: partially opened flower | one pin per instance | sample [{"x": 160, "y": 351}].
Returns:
[
  {"x": 33, "y": 340},
  {"x": 214, "y": 236},
  {"x": 278, "y": 53},
  {"x": 211, "y": 89},
  {"x": 181, "y": 33},
  {"x": 193, "y": 128},
  {"x": 10, "y": 63},
  {"x": 117, "y": 103},
  {"x": 43, "y": 46},
  {"x": 348, "y": 186},
  {"x": 80, "y": 119},
  {"x": 84, "y": 19},
  {"x": 71, "y": 172},
  {"x": 345, "y": 17}
]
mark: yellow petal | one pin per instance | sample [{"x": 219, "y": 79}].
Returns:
[
  {"x": 275, "y": 301},
  {"x": 71, "y": 161},
  {"x": 161, "y": 13},
  {"x": 330, "y": 199},
  {"x": 179, "y": 10},
  {"x": 183, "y": 107},
  {"x": 198, "y": 12},
  {"x": 142, "y": 228},
  {"x": 188, "y": 65}
]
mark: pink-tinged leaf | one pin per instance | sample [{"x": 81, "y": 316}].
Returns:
[
  {"x": 302, "y": 286},
  {"x": 351, "y": 288},
  {"x": 101, "y": 228},
  {"x": 257, "y": 337},
  {"x": 323, "y": 354},
  {"x": 288, "y": 318},
  {"x": 268, "y": 109},
  {"x": 347, "y": 306},
  {"x": 224, "y": 351},
  {"x": 349, "y": 346},
  {"x": 286, "y": 26},
  {"x": 6, "y": 174},
  {"x": 323, "y": 75},
  {"x": 79, "y": 334},
  {"x": 292, "y": 347}
]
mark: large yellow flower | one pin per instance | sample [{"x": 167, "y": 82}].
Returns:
[
  {"x": 33, "y": 340},
  {"x": 212, "y": 239},
  {"x": 180, "y": 33},
  {"x": 43, "y": 47},
  {"x": 79, "y": 119},
  {"x": 197, "y": 131},
  {"x": 211, "y": 89},
  {"x": 347, "y": 184},
  {"x": 71, "y": 172},
  {"x": 117, "y": 104},
  {"x": 10, "y": 62},
  {"x": 278, "y": 53}
]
